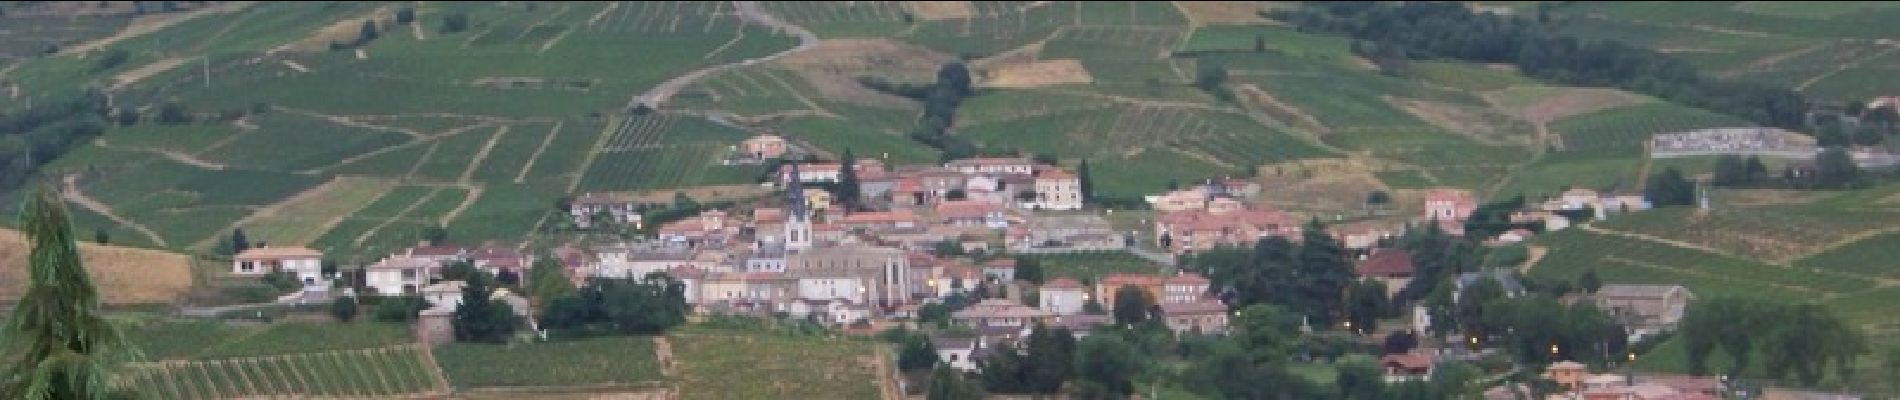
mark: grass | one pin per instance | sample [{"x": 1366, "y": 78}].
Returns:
[
  {"x": 1465, "y": 76},
  {"x": 754, "y": 366},
  {"x": 512, "y": 151},
  {"x": 1558, "y": 171},
  {"x": 618, "y": 360},
  {"x": 1118, "y": 54},
  {"x": 298, "y": 223},
  {"x": 1405, "y": 179},
  {"x": 1087, "y": 267},
  {"x": 505, "y": 211}
]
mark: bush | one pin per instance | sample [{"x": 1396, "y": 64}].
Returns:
[
  {"x": 405, "y": 15},
  {"x": 454, "y": 22},
  {"x": 344, "y": 309},
  {"x": 283, "y": 281},
  {"x": 400, "y": 308},
  {"x": 250, "y": 293}
]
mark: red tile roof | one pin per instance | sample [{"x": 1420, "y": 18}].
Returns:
[
  {"x": 966, "y": 209},
  {"x": 1118, "y": 280},
  {"x": 881, "y": 217},
  {"x": 1186, "y": 278},
  {"x": 1000, "y": 263},
  {"x": 1387, "y": 263},
  {"x": 991, "y": 161},
  {"x": 1411, "y": 361},
  {"x": 1055, "y": 173},
  {"x": 435, "y": 251},
  {"x": 1202, "y": 307}
]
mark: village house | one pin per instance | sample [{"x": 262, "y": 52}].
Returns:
[
  {"x": 881, "y": 220},
  {"x": 1453, "y": 205},
  {"x": 970, "y": 213},
  {"x": 306, "y": 264},
  {"x": 690, "y": 279},
  {"x": 810, "y": 172},
  {"x": 437, "y": 254},
  {"x": 709, "y": 228},
  {"x": 1064, "y": 233},
  {"x": 1224, "y": 222},
  {"x": 830, "y": 311},
  {"x": 1062, "y": 296},
  {"x": 1403, "y": 367},
  {"x": 445, "y": 294},
  {"x": 769, "y": 257},
  {"x": 1182, "y": 288},
  {"x": 763, "y": 147},
  {"x": 591, "y": 207},
  {"x": 1057, "y": 190},
  {"x": 400, "y": 275},
  {"x": 637, "y": 260},
  {"x": 1000, "y": 270},
  {"x": 498, "y": 260},
  {"x": 1645, "y": 309},
  {"x": 1361, "y": 237},
  {"x": 1512, "y": 287},
  {"x": 1020, "y": 166},
  {"x": 1083, "y": 324},
  {"x": 958, "y": 353},
  {"x": 1204, "y": 316},
  {"x": 1000, "y": 318},
  {"x": 1575, "y": 381},
  {"x": 1391, "y": 267}
]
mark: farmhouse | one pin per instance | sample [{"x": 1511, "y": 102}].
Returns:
[
  {"x": 763, "y": 147},
  {"x": 1449, "y": 205},
  {"x": 1224, "y": 222},
  {"x": 1391, "y": 267},
  {"x": 1205, "y": 316},
  {"x": 498, "y": 260},
  {"x": 1001, "y": 318},
  {"x": 971, "y": 213},
  {"x": 400, "y": 274},
  {"x": 307, "y": 264},
  {"x": 1057, "y": 190},
  {"x": 959, "y": 353},
  {"x": 1644, "y": 308},
  {"x": 592, "y": 207}
]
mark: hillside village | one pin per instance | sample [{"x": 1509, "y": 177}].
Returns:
[{"x": 953, "y": 200}]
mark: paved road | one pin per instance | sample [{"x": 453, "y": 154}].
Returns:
[{"x": 751, "y": 13}]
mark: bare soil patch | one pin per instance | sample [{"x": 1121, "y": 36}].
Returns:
[
  {"x": 343, "y": 30},
  {"x": 1035, "y": 74},
  {"x": 135, "y": 75},
  {"x": 124, "y": 275},
  {"x": 940, "y": 10},
  {"x": 1280, "y": 110},
  {"x": 1767, "y": 197},
  {"x": 149, "y": 23},
  {"x": 1320, "y": 185},
  {"x": 1481, "y": 124},
  {"x": 1574, "y": 101},
  {"x": 1226, "y": 12},
  {"x": 834, "y": 65}
]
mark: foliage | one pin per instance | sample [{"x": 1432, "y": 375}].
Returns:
[
  {"x": 1108, "y": 363},
  {"x": 400, "y": 309},
  {"x": 56, "y": 342},
  {"x": 1132, "y": 305},
  {"x": 344, "y": 308},
  {"x": 454, "y": 22},
  {"x": 1670, "y": 188},
  {"x": 1366, "y": 303},
  {"x": 35, "y": 136},
  {"x": 1310, "y": 279},
  {"x": 481, "y": 317},
  {"x": 1049, "y": 360},
  {"x": 914, "y": 351},
  {"x": 1797, "y": 339},
  {"x": 547, "y": 281},
  {"x": 1441, "y": 29},
  {"x": 949, "y": 384},
  {"x": 621, "y": 306}
]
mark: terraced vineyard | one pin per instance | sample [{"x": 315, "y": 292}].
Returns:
[
  {"x": 665, "y": 151},
  {"x": 844, "y": 18},
  {"x": 1623, "y": 131},
  {"x": 387, "y": 372},
  {"x": 1626, "y": 260}
]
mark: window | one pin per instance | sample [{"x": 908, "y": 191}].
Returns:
[
  {"x": 953, "y": 357},
  {"x": 247, "y": 266},
  {"x": 408, "y": 273}
]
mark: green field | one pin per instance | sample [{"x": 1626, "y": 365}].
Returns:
[
  {"x": 1770, "y": 232},
  {"x": 1087, "y": 267},
  {"x": 757, "y": 366},
  {"x": 618, "y": 360},
  {"x": 664, "y": 151},
  {"x": 843, "y": 18},
  {"x": 1623, "y": 131},
  {"x": 369, "y": 372},
  {"x": 1625, "y": 260}
]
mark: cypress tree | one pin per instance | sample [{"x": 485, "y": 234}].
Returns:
[
  {"x": 848, "y": 191},
  {"x": 57, "y": 343}
]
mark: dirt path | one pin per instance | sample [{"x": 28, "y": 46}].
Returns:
[
  {"x": 1537, "y": 254},
  {"x": 153, "y": 23},
  {"x": 663, "y": 349},
  {"x": 271, "y": 210},
  {"x": 135, "y": 75},
  {"x": 751, "y": 13},
  {"x": 522, "y": 176},
  {"x": 293, "y": 65},
  {"x": 474, "y": 193},
  {"x": 1652, "y": 238},
  {"x": 173, "y": 155},
  {"x": 886, "y": 376},
  {"x": 418, "y": 141},
  {"x": 72, "y": 194},
  {"x": 415, "y": 27},
  {"x": 468, "y": 173},
  {"x": 358, "y": 242},
  {"x": 351, "y": 122}
]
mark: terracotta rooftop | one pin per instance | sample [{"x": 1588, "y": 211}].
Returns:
[
  {"x": 1062, "y": 283},
  {"x": 992, "y": 161},
  {"x": 1186, "y": 278},
  {"x": 1000, "y": 263},
  {"x": 880, "y": 217},
  {"x": 273, "y": 253},
  {"x": 1387, "y": 263},
  {"x": 1116, "y": 281},
  {"x": 1407, "y": 360},
  {"x": 435, "y": 251},
  {"x": 1196, "y": 307}
]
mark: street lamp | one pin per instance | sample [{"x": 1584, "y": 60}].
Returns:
[{"x": 1553, "y": 349}]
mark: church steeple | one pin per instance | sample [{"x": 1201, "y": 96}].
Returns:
[{"x": 797, "y": 214}]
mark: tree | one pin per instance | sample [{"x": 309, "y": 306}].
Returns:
[
  {"x": 1108, "y": 363},
  {"x": 1321, "y": 276},
  {"x": 436, "y": 235},
  {"x": 367, "y": 34},
  {"x": 1259, "y": 43},
  {"x": 1890, "y": 361},
  {"x": 955, "y": 79},
  {"x": 454, "y": 22},
  {"x": 1835, "y": 169},
  {"x": 847, "y": 186},
  {"x": 344, "y": 308},
  {"x": 399, "y": 309},
  {"x": 1050, "y": 359},
  {"x": 1378, "y": 198},
  {"x": 239, "y": 243},
  {"x": 405, "y": 15},
  {"x": 1730, "y": 170},
  {"x": 1132, "y": 305},
  {"x": 956, "y": 195},
  {"x": 1366, "y": 302},
  {"x": 99, "y": 236},
  {"x": 547, "y": 279},
  {"x": 948, "y": 384},
  {"x": 56, "y": 343},
  {"x": 1212, "y": 78},
  {"x": 1029, "y": 269},
  {"x": 1589, "y": 282},
  {"x": 1670, "y": 188},
  {"x": 480, "y": 318},
  {"x": 1266, "y": 332},
  {"x": 1754, "y": 170},
  {"x": 1360, "y": 380},
  {"x": 173, "y": 113},
  {"x": 915, "y": 353},
  {"x": 128, "y": 116},
  {"x": 1086, "y": 183}
]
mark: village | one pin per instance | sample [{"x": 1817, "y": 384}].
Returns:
[{"x": 949, "y": 237}]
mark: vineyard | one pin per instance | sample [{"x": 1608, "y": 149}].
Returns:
[
  {"x": 1871, "y": 256},
  {"x": 612, "y": 360},
  {"x": 1121, "y": 129},
  {"x": 669, "y": 17},
  {"x": 843, "y": 18},
  {"x": 747, "y": 91},
  {"x": 397, "y": 371},
  {"x": 1775, "y": 233},
  {"x": 994, "y": 26},
  {"x": 723, "y": 366},
  {"x": 1120, "y": 54},
  {"x": 1087, "y": 267},
  {"x": 665, "y": 151},
  {"x": 394, "y": 220},
  {"x": 1624, "y": 260},
  {"x": 1624, "y": 131}
]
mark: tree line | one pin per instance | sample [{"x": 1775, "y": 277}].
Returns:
[
  {"x": 1450, "y": 30},
  {"x": 36, "y": 135}
]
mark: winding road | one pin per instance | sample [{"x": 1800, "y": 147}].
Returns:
[{"x": 750, "y": 12}]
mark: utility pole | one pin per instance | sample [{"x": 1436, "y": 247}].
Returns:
[{"x": 207, "y": 69}]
